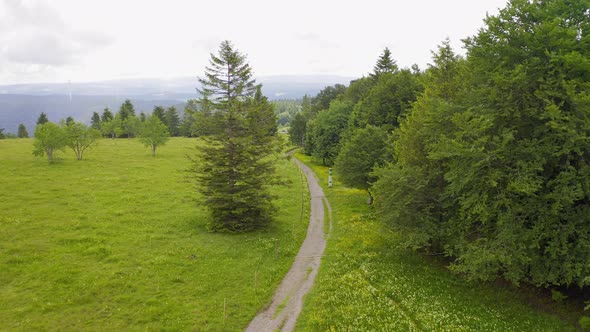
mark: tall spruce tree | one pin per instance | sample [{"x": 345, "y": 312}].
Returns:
[
  {"x": 234, "y": 169},
  {"x": 126, "y": 110},
  {"x": 159, "y": 112},
  {"x": 385, "y": 64},
  {"x": 107, "y": 115},
  {"x": 95, "y": 121},
  {"x": 172, "y": 120},
  {"x": 42, "y": 118}
]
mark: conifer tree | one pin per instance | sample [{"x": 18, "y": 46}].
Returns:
[
  {"x": 22, "y": 131},
  {"x": 95, "y": 121},
  {"x": 126, "y": 110},
  {"x": 159, "y": 112},
  {"x": 107, "y": 115},
  {"x": 69, "y": 120},
  {"x": 385, "y": 64},
  {"x": 42, "y": 118},
  {"x": 172, "y": 120},
  {"x": 234, "y": 169}
]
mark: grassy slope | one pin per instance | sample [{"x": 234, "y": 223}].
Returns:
[
  {"x": 115, "y": 242},
  {"x": 365, "y": 284}
]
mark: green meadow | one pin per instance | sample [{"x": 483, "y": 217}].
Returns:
[
  {"x": 365, "y": 283},
  {"x": 117, "y": 242}
]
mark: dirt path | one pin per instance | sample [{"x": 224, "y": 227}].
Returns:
[{"x": 287, "y": 302}]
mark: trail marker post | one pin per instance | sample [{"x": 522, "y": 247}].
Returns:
[{"x": 330, "y": 178}]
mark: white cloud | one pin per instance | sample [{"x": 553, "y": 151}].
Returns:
[
  {"x": 101, "y": 39},
  {"x": 35, "y": 39}
]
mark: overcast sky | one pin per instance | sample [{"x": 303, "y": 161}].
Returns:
[{"x": 73, "y": 40}]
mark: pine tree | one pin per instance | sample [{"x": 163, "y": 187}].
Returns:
[
  {"x": 95, "y": 121},
  {"x": 297, "y": 129},
  {"x": 385, "y": 64},
  {"x": 234, "y": 169},
  {"x": 69, "y": 120},
  {"x": 172, "y": 120},
  {"x": 22, "y": 131},
  {"x": 188, "y": 118},
  {"x": 107, "y": 115},
  {"x": 126, "y": 110},
  {"x": 42, "y": 119},
  {"x": 159, "y": 112}
]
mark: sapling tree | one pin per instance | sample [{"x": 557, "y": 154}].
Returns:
[
  {"x": 49, "y": 137},
  {"x": 80, "y": 137},
  {"x": 153, "y": 133}
]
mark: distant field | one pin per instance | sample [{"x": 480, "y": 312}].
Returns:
[
  {"x": 366, "y": 284},
  {"x": 115, "y": 242}
]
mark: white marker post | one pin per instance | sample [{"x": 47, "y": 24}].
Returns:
[{"x": 330, "y": 178}]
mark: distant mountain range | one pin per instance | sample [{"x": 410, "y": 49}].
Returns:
[{"x": 22, "y": 103}]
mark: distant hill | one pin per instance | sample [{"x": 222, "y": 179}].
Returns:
[{"x": 22, "y": 103}]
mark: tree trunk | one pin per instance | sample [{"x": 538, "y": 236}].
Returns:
[
  {"x": 153, "y": 150},
  {"x": 49, "y": 154},
  {"x": 371, "y": 199}
]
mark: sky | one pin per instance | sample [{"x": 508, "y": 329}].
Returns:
[{"x": 82, "y": 41}]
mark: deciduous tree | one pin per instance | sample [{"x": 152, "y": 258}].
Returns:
[
  {"x": 49, "y": 138},
  {"x": 153, "y": 133},
  {"x": 80, "y": 137},
  {"x": 359, "y": 156}
]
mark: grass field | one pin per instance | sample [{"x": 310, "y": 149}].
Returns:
[
  {"x": 116, "y": 242},
  {"x": 366, "y": 284}
]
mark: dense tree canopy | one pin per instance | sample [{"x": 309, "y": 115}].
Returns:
[
  {"x": 360, "y": 155},
  {"x": 492, "y": 164}
]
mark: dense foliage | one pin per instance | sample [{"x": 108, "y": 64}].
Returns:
[
  {"x": 490, "y": 153},
  {"x": 234, "y": 169},
  {"x": 49, "y": 138}
]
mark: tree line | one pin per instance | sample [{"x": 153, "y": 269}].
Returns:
[
  {"x": 484, "y": 158},
  {"x": 51, "y": 137}
]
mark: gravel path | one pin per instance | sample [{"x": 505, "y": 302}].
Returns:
[{"x": 287, "y": 301}]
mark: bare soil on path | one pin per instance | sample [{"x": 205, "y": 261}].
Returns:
[{"x": 287, "y": 301}]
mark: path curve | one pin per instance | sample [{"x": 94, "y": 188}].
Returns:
[{"x": 301, "y": 276}]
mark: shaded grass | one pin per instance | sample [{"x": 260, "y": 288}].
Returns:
[
  {"x": 117, "y": 242},
  {"x": 366, "y": 284}
]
